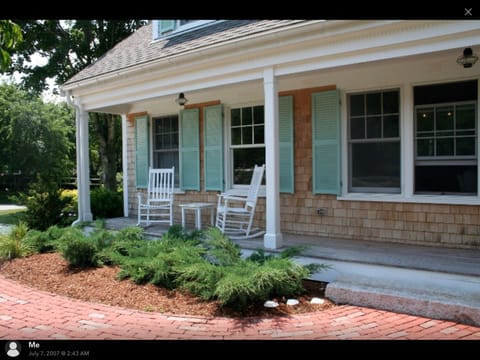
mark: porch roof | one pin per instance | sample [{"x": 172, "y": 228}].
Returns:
[{"x": 139, "y": 49}]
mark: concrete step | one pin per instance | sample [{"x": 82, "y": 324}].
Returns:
[
  {"x": 430, "y": 293},
  {"x": 409, "y": 301}
]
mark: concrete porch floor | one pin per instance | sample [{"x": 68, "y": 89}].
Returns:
[{"x": 440, "y": 283}]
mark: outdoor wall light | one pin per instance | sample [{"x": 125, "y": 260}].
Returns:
[
  {"x": 181, "y": 100},
  {"x": 467, "y": 59}
]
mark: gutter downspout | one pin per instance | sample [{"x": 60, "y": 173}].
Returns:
[{"x": 83, "y": 161}]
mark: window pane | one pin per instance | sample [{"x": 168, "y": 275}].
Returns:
[
  {"x": 174, "y": 141},
  {"x": 425, "y": 120},
  {"x": 465, "y": 117},
  {"x": 465, "y": 146},
  {"x": 444, "y": 119},
  {"x": 391, "y": 126},
  {"x": 374, "y": 127},
  {"x": 258, "y": 135},
  {"x": 446, "y": 179},
  {"x": 425, "y": 147},
  {"x": 376, "y": 165},
  {"x": 244, "y": 161},
  {"x": 247, "y": 116},
  {"x": 247, "y": 135},
  {"x": 235, "y": 114},
  {"x": 390, "y": 102},
  {"x": 357, "y": 106},
  {"x": 165, "y": 144},
  {"x": 157, "y": 127},
  {"x": 157, "y": 141},
  {"x": 374, "y": 104},
  {"x": 258, "y": 115},
  {"x": 445, "y": 147},
  {"x": 236, "y": 136},
  {"x": 357, "y": 128}
]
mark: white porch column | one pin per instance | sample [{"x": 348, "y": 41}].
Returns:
[
  {"x": 125, "y": 165},
  {"x": 273, "y": 237},
  {"x": 83, "y": 165}
]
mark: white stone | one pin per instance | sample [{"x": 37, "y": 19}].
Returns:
[
  {"x": 317, "y": 300},
  {"x": 292, "y": 302},
  {"x": 270, "y": 304}
]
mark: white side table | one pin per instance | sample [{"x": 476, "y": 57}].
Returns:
[{"x": 198, "y": 206}]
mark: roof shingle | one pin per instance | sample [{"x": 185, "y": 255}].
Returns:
[{"x": 139, "y": 48}]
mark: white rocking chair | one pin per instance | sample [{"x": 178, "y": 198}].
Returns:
[
  {"x": 158, "y": 207},
  {"x": 236, "y": 221}
]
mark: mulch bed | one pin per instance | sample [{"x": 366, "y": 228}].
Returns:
[{"x": 51, "y": 273}]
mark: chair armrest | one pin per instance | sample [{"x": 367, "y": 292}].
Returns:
[
  {"x": 234, "y": 197},
  {"x": 224, "y": 199}
]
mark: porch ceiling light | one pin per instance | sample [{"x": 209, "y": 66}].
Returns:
[
  {"x": 467, "y": 59},
  {"x": 181, "y": 100}
]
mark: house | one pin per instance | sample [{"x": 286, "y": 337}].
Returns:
[{"x": 368, "y": 129}]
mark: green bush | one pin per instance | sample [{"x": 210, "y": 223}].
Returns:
[
  {"x": 46, "y": 241},
  {"x": 39, "y": 240},
  {"x": 106, "y": 203},
  {"x": 131, "y": 233},
  {"x": 156, "y": 261},
  {"x": 220, "y": 249},
  {"x": 80, "y": 253},
  {"x": 14, "y": 244},
  {"x": 212, "y": 269},
  {"x": 45, "y": 206},
  {"x": 200, "y": 278}
]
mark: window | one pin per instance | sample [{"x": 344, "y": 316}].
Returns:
[
  {"x": 374, "y": 141},
  {"x": 165, "y": 27},
  {"x": 165, "y": 144},
  {"x": 446, "y": 138},
  {"x": 247, "y": 142}
]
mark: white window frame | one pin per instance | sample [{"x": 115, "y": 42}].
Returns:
[
  {"x": 350, "y": 141},
  {"x": 230, "y": 187},
  {"x": 407, "y": 146}
]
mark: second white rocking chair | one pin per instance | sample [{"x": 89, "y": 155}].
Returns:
[{"x": 235, "y": 213}]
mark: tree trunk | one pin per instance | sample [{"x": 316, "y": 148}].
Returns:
[{"x": 105, "y": 128}]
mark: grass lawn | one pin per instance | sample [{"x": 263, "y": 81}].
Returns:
[{"x": 11, "y": 216}]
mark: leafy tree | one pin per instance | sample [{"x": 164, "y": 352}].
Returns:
[
  {"x": 10, "y": 37},
  {"x": 68, "y": 47},
  {"x": 36, "y": 138}
]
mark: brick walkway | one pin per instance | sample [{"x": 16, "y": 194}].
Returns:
[{"x": 29, "y": 314}]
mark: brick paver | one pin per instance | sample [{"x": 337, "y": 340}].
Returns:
[{"x": 29, "y": 314}]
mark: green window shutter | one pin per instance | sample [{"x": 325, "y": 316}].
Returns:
[
  {"x": 286, "y": 144},
  {"x": 326, "y": 142},
  {"x": 141, "y": 151},
  {"x": 165, "y": 26},
  {"x": 189, "y": 150},
  {"x": 213, "y": 147}
]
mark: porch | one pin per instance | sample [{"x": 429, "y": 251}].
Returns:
[{"x": 442, "y": 283}]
